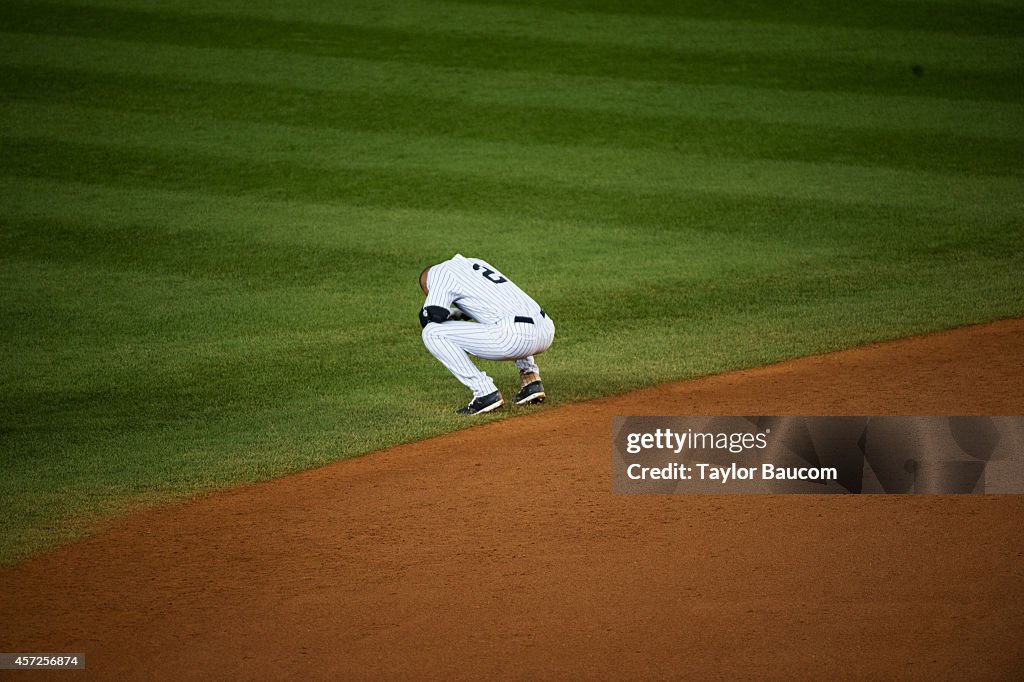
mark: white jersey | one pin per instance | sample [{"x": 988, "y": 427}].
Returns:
[{"x": 478, "y": 289}]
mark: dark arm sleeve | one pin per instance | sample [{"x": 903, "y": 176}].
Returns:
[{"x": 433, "y": 313}]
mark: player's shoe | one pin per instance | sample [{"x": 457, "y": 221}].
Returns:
[
  {"x": 483, "y": 404},
  {"x": 531, "y": 393}
]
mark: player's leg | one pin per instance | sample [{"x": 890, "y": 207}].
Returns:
[
  {"x": 536, "y": 338},
  {"x": 451, "y": 343},
  {"x": 528, "y": 369},
  {"x": 531, "y": 389}
]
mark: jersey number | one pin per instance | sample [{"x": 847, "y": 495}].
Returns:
[{"x": 487, "y": 275}]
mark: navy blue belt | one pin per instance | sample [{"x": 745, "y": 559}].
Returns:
[{"x": 529, "y": 320}]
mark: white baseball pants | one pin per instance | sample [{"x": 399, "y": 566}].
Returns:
[{"x": 453, "y": 342}]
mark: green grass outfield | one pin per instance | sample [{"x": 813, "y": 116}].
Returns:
[{"x": 214, "y": 213}]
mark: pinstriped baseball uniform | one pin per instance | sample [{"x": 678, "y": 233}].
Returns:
[{"x": 478, "y": 289}]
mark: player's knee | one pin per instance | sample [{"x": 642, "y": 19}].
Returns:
[{"x": 431, "y": 333}]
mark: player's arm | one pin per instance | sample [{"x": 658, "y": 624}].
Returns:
[{"x": 437, "y": 307}]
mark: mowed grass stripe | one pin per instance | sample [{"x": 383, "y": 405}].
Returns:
[
  {"x": 791, "y": 69},
  {"x": 324, "y": 113},
  {"x": 311, "y": 28},
  {"x": 965, "y": 17},
  {"x": 367, "y": 79},
  {"x": 311, "y": 224}
]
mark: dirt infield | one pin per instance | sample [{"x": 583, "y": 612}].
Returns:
[{"x": 500, "y": 552}]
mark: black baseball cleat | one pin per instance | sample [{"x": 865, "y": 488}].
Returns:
[
  {"x": 483, "y": 404},
  {"x": 532, "y": 392}
]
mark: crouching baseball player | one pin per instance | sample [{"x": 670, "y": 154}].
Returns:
[{"x": 509, "y": 325}]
